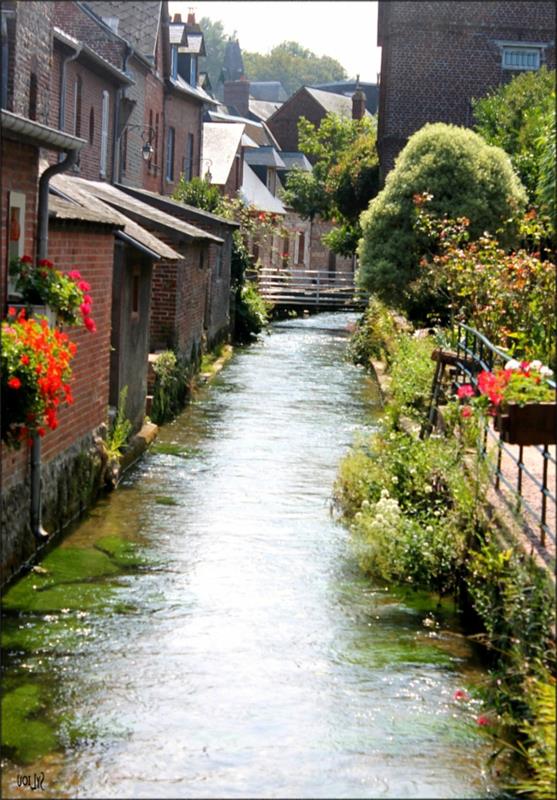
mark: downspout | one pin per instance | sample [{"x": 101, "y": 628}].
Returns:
[
  {"x": 42, "y": 251},
  {"x": 62, "y": 109},
  {"x": 116, "y": 171}
]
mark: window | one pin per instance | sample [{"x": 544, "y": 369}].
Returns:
[
  {"x": 271, "y": 180},
  {"x": 174, "y": 62},
  {"x": 157, "y": 154},
  {"x": 201, "y": 258},
  {"x": 188, "y": 160},
  {"x": 91, "y": 125},
  {"x": 33, "y": 96},
  {"x": 220, "y": 260},
  {"x": 170, "y": 155},
  {"x": 77, "y": 106},
  {"x": 16, "y": 238},
  {"x": 104, "y": 133},
  {"x": 521, "y": 58},
  {"x": 193, "y": 70}
]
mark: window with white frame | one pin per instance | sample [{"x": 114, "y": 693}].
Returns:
[
  {"x": 174, "y": 62},
  {"x": 104, "y": 132},
  {"x": 521, "y": 58},
  {"x": 193, "y": 70},
  {"x": 16, "y": 232}
]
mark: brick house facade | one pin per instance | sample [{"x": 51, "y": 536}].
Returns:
[{"x": 438, "y": 56}]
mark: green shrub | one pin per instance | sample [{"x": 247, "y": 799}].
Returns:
[
  {"x": 375, "y": 335},
  {"x": 251, "y": 313},
  {"x": 465, "y": 176},
  {"x": 411, "y": 377},
  {"x": 121, "y": 429},
  {"x": 171, "y": 386}
]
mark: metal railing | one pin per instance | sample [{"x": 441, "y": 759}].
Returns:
[
  {"x": 473, "y": 354},
  {"x": 306, "y": 287}
]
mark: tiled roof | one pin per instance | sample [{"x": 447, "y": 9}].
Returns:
[
  {"x": 194, "y": 91},
  {"x": 255, "y": 193},
  {"x": 194, "y": 44},
  {"x": 263, "y": 109},
  {"x": 176, "y": 32},
  {"x": 132, "y": 206},
  {"x": 332, "y": 103},
  {"x": 138, "y": 22},
  {"x": 87, "y": 52},
  {"x": 258, "y": 131},
  {"x": 75, "y": 190},
  {"x": 220, "y": 145},
  {"x": 270, "y": 91}
]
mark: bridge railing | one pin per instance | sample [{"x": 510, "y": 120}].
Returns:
[{"x": 309, "y": 287}]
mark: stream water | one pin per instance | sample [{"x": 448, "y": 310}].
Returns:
[{"x": 205, "y": 631}]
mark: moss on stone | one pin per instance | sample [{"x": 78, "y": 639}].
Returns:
[
  {"x": 123, "y": 552},
  {"x": 23, "y": 736}
]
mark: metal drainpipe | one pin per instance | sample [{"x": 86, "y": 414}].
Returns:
[
  {"x": 62, "y": 109},
  {"x": 42, "y": 250},
  {"x": 116, "y": 146}
]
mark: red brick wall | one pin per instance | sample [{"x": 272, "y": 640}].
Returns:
[
  {"x": 73, "y": 20},
  {"x": 30, "y": 51},
  {"x": 92, "y": 87},
  {"x": 20, "y": 163},
  {"x": 90, "y": 250},
  {"x": 163, "y": 305},
  {"x": 284, "y": 123},
  {"x": 153, "y": 170},
  {"x": 185, "y": 116},
  {"x": 437, "y": 56}
]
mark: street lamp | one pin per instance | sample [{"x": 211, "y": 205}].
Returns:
[
  {"x": 147, "y": 135},
  {"x": 207, "y": 177}
]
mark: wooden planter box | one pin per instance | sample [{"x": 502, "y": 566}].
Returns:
[{"x": 534, "y": 423}]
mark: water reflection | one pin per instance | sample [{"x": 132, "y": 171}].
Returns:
[{"x": 250, "y": 658}]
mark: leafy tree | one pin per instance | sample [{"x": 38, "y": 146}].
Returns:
[
  {"x": 511, "y": 117},
  {"x": 293, "y": 65},
  {"x": 465, "y": 177},
  {"x": 215, "y": 44},
  {"x": 345, "y": 176}
]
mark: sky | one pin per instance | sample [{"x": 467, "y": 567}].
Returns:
[{"x": 343, "y": 30}]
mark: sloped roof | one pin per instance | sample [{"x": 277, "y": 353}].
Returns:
[
  {"x": 75, "y": 190},
  {"x": 298, "y": 160},
  {"x": 89, "y": 53},
  {"x": 138, "y": 22},
  {"x": 233, "y": 65},
  {"x": 63, "y": 209},
  {"x": 170, "y": 204},
  {"x": 262, "y": 109},
  {"x": 193, "y": 91},
  {"x": 131, "y": 205},
  {"x": 258, "y": 131},
  {"x": 255, "y": 193},
  {"x": 176, "y": 32},
  {"x": 220, "y": 145},
  {"x": 14, "y": 126},
  {"x": 331, "y": 102},
  {"x": 264, "y": 157},
  {"x": 194, "y": 45}
]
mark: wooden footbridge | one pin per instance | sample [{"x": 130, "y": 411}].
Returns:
[{"x": 316, "y": 289}]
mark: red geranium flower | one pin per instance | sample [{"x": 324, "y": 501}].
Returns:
[{"x": 14, "y": 383}]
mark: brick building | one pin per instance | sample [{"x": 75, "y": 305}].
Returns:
[{"x": 438, "y": 56}]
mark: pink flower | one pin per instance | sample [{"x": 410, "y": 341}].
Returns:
[
  {"x": 460, "y": 694},
  {"x": 465, "y": 412},
  {"x": 466, "y": 390},
  {"x": 11, "y": 311},
  {"x": 85, "y": 309},
  {"x": 74, "y": 275},
  {"x": 90, "y": 324},
  {"x": 84, "y": 286},
  {"x": 483, "y": 721}
]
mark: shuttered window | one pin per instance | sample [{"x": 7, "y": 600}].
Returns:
[
  {"x": 170, "y": 155},
  {"x": 104, "y": 132}
]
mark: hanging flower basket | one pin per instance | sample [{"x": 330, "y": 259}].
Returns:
[{"x": 533, "y": 423}]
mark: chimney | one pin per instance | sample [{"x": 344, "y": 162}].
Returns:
[
  {"x": 191, "y": 16},
  {"x": 236, "y": 93},
  {"x": 358, "y": 102},
  {"x": 177, "y": 18}
]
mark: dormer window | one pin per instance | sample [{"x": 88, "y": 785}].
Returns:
[
  {"x": 193, "y": 70},
  {"x": 174, "y": 62}
]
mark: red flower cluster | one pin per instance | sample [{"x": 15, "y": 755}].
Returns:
[
  {"x": 36, "y": 370},
  {"x": 493, "y": 384}
]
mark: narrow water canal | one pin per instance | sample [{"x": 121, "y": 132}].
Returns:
[{"x": 205, "y": 632}]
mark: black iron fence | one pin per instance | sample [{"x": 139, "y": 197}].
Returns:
[{"x": 526, "y": 469}]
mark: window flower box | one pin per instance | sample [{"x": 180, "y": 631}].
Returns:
[{"x": 529, "y": 424}]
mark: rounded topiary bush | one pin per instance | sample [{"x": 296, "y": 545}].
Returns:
[{"x": 466, "y": 176}]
